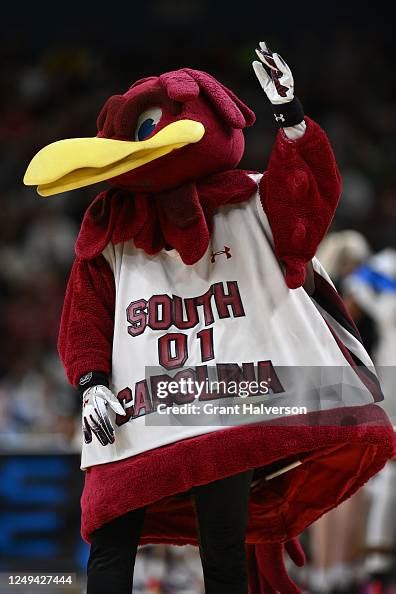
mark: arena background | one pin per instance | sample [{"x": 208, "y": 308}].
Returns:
[{"x": 59, "y": 64}]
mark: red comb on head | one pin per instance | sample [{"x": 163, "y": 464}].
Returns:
[
  {"x": 179, "y": 85},
  {"x": 232, "y": 110},
  {"x": 186, "y": 84}
]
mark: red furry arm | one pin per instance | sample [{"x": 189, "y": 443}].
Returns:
[
  {"x": 86, "y": 329},
  {"x": 299, "y": 193}
]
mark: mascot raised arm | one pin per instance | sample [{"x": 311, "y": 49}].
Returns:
[{"x": 227, "y": 399}]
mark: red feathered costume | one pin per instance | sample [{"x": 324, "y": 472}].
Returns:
[{"x": 177, "y": 202}]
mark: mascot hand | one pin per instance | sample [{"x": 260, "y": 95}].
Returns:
[
  {"x": 276, "y": 79},
  {"x": 272, "y": 570},
  {"x": 274, "y": 75},
  {"x": 95, "y": 414}
]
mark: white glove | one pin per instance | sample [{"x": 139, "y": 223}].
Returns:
[
  {"x": 277, "y": 81},
  {"x": 95, "y": 414}
]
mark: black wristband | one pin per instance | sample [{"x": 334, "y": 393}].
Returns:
[
  {"x": 288, "y": 114},
  {"x": 93, "y": 378}
]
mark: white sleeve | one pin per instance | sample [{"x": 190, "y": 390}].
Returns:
[{"x": 295, "y": 132}]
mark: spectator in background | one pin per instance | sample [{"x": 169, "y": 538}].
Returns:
[{"x": 341, "y": 253}]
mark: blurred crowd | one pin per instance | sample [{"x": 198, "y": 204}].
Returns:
[{"x": 346, "y": 81}]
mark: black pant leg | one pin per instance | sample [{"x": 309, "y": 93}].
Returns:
[
  {"x": 222, "y": 513},
  {"x": 112, "y": 555}
]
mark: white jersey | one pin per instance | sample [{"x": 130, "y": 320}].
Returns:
[{"x": 229, "y": 315}]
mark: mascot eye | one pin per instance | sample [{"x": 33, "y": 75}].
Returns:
[{"x": 147, "y": 122}]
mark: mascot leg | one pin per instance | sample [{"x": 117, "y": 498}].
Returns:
[
  {"x": 222, "y": 513},
  {"x": 112, "y": 556}
]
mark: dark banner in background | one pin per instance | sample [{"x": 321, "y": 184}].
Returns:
[{"x": 40, "y": 513}]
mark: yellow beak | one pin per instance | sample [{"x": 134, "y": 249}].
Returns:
[{"x": 78, "y": 162}]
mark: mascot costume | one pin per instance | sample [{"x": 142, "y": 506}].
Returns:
[{"x": 191, "y": 271}]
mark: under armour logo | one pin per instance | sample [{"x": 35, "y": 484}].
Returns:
[
  {"x": 85, "y": 379},
  {"x": 226, "y": 251},
  {"x": 280, "y": 117}
]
